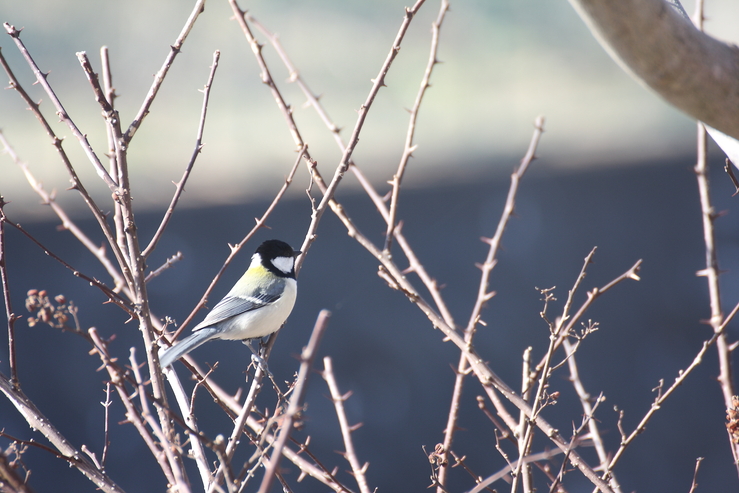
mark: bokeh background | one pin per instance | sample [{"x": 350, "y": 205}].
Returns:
[{"x": 615, "y": 171}]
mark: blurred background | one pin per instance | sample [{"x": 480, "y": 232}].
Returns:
[{"x": 615, "y": 171}]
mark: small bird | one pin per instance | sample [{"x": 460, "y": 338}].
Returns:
[{"x": 257, "y": 305}]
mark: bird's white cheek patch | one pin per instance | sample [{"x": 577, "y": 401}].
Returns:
[{"x": 285, "y": 264}]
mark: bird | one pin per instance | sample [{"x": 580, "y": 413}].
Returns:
[{"x": 257, "y": 305}]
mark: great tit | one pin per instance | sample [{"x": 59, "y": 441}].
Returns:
[{"x": 257, "y": 305}]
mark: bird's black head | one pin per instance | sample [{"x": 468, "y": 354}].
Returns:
[{"x": 278, "y": 257}]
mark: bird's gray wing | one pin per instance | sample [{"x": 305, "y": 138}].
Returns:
[{"x": 230, "y": 306}]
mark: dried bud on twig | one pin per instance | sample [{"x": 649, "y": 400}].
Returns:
[{"x": 732, "y": 418}]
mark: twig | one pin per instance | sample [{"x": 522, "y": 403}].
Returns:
[
  {"x": 106, "y": 426},
  {"x": 133, "y": 416},
  {"x": 37, "y": 421},
  {"x": 134, "y": 263},
  {"x": 694, "y": 483},
  {"x": 232, "y": 406},
  {"x": 409, "y": 147},
  {"x": 335, "y": 130},
  {"x": 358, "y": 471},
  {"x": 588, "y": 410},
  {"x": 76, "y": 183},
  {"x": 523, "y": 470},
  {"x": 243, "y": 412},
  {"x": 460, "y": 462},
  {"x": 525, "y": 435},
  {"x": 483, "y": 293},
  {"x": 10, "y": 478},
  {"x": 113, "y": 149},
  {"x": 489, "y": 379},
  {"x": 698, "y": 16},
  {"x": 266, "y": 76},
  {"x": 378, "y": 82},
  {"x": 729, "y": 169},
  {"x": 592, "y": 295},
  {"x": 316, "y": 470},
  {"x": 657, "y": 404},
  {"x": 711, "y": 272},
  {"x": 112, "y": 295},
  {"x": 166, "y": 265},
  {"x": 295, "y": 77},
  {"x": 174, "y": 50},
  {"x": 48, "y": 198},
  {"x": 9, "y": 313},
  {"x": 485, "y": 483},
  {"x": 296, "y": 399},
  {"x": 187, "y": 410},
  {"x": 60, "y": 111},
  {"x": 198, "y": 147},
  {"x": 171, "y": 453}
]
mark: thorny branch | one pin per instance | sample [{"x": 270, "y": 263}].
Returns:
[
  {"x": 38, "y": 421},
  {"x": 296, "y": 400},
  {"x": 132, "y": 280},
  {"x": 657, "y": 404},
  {"x": 76, "y": 183},
  {"x": 483, "y": 293},
  {"x": 711, "y": 273},
  {"x": 409, "y": 146},
  {"x": 346, "y": 430},
  {"x": 198, "y": 147},
  {"x": 9, "y": 313},
  {"x": 174, "y": 50}
]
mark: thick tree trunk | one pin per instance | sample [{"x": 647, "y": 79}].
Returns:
[{"x": 655, "y": 42}]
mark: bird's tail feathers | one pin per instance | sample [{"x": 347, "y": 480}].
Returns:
[{"x": 170, "y": 355}]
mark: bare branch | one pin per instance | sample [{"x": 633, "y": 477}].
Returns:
[
  {"x": 694, "y": 483},
  {"x": 9, "y": 313},
  {"x": 711, "y": 273},
  {"x": 166, "y": 265},
  {"x": 67, "y": 223},
  {"x": 76, "y": 183},
  {"x": 489, "y": 379},
  {"x": 296, "y": 399},
  {"x": 660, "y": 47},
  {"x": 378, "y": 82},
  {"x": 37, "y": 421},
  {"x": 657, "y": 404},
  {"x": 174, "y": 50},
  {"x": 409, "y": 146},
  {"x": 346, "y": 431},
  {"x": 198, "y": 147},
  {"x": 589, "y": 410},
  {"x": 112, "y": 295},
  {"x": 60, "y": 111},
  {"x": 483, "y": 292}
]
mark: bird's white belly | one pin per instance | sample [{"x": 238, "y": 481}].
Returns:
[{"x": 263, "y": 321}]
